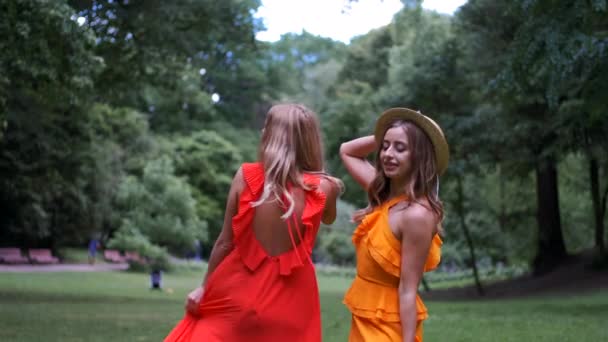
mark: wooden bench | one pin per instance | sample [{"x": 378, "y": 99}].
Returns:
[
  {"x": 135, "y": 257},
  {"x": 12, "y": 255},
  {"x": 42, "y": 256},
  {"x": 113, "y": 255}
]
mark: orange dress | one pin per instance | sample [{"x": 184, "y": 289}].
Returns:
[
  {"x": 252, "y": 296},
  {"x": 373, "y": 297}
]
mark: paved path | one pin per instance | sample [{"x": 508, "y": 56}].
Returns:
[{"x": 64, "y": 268}]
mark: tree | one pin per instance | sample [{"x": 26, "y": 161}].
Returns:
[
  {"x": 208, "y": 162},
  {"x": 160, "y": 207},
  {"x": 334, "y": 242},
  {"x": 498, "y": 44},
  {"x": 567, "y": 41},
  {"x": 149, "y": 45},
  {"x": 121, "y": 145},
  {"x": 345, "y": 119},
  {"x": 44, "y": 97},
  {"x": 293, "y": 57},
  {"x": 367, "y": 59}
]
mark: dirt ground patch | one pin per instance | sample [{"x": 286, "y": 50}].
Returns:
[{"x": 573, "y": 277}]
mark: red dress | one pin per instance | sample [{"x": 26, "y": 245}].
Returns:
[{"x": 252, "y": 296}]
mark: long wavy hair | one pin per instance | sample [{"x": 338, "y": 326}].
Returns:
[
  {"x": 423, "y": 179},
  {"x": 291, "y": 145}
]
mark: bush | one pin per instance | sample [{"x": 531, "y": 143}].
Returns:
[
  {"x": 129, "y": 238},
  {"x": 334, "y": 244},
  {"x": 160, "y": 207}
]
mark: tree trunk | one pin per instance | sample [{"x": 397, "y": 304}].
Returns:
[
  {"x": 599, "y": 205},
  {"x": 467, "y": 235},
  {"x": 551, "y": 248},
  {"x": 502, "y": 213}
]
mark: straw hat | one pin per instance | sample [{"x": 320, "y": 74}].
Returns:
[{"x": 428, "y": 126}]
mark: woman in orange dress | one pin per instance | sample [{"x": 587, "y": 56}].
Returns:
[
  {"x": 261, "y": 283},
  {"x": 397, "y": 238}
]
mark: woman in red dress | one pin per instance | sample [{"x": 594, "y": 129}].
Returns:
[{"x": 261, "y": 283}]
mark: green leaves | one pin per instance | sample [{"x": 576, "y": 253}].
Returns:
[
  {"x": 334, "y": 242},
  {"x": 43, "y": 104},
  {"x": 208, "y": 162},
  {"x": 160, "y": 206}
]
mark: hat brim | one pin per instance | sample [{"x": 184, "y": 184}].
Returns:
[{"x": 430, "y": 127}]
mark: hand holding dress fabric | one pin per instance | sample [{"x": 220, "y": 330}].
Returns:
[{"x": 193, "y": 300}]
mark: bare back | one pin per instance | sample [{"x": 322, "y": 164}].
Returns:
[{"x": 273, "y": 232}]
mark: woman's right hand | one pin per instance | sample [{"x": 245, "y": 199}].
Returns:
[{"x": 192, "y": 301}]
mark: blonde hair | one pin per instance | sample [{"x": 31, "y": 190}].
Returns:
[
  {"x": 423, "y": 182},
  {"x": 291, "y": 145}
]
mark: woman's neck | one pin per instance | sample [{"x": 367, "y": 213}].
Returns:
[{"x": 396, "y": 189}]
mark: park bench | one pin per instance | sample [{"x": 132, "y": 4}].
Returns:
[
  {"x": 12, "y": 255},
  {"x": 135, "y": 257},
  {"x": 113, "y": 255},
  {"x": 42, "y": 256}
]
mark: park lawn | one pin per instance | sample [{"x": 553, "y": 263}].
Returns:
[{"x": 117, "y": 306}]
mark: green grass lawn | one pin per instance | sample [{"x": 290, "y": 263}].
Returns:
[
  {"x": 118, "y": 306},
  {"x": 79, "y": 256}
]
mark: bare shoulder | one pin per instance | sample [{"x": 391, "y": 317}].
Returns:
[
  {"x": 329, "y": 187},
  {"x": 417, "y": 221},
  {"x": 239, "y": 173}
]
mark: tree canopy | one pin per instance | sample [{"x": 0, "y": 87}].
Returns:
[{"x": 128, "y": 119}]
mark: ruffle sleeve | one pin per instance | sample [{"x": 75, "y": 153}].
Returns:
[
  {"x": 253, "y": 174},
  {"x": 385, "y": 250},
  {"x": 369, "y": 221}
]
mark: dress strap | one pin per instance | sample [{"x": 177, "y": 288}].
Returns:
[
  {"x": 291, "y": 219},
  {"x": 391, "y": 202},
  {"x": 292, "y": 224}
]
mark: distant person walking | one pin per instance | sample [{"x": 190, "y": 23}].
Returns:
[
  {"x": 397, "y": 238},
  {"x": 93, "y": 246},
  {"x": 261, "y": 283}
]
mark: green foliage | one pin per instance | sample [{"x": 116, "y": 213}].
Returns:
[
  {"x": 291, "y": 60},
  {"x": 500, "y": 213},
  {"x": 208, "y": 162},
  {"x": 77, "y": 103},
  {"x": 422, "y": 64},
  {"x": 156, "y": 47},
  {"x": 244, "y": 140},
  {"x": 338, "y": 247},
  {"x": 159, "y": 208},
  {"x": 349, "y": 116},
  {"x": 121, "y": 145},
  {"x": 510, "y": 83},
  {"x": 94, "y": 117},
  {"x": 44, "y": 94},
  {"x": 317, "y": 82},
  {"x": 184, "y": 107},
  {"x": 368, "y": 58},
  {"x": 334, "y": 242},
  {"x": 129, "y": 238},
  {"x": 577, "y": 218}
]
